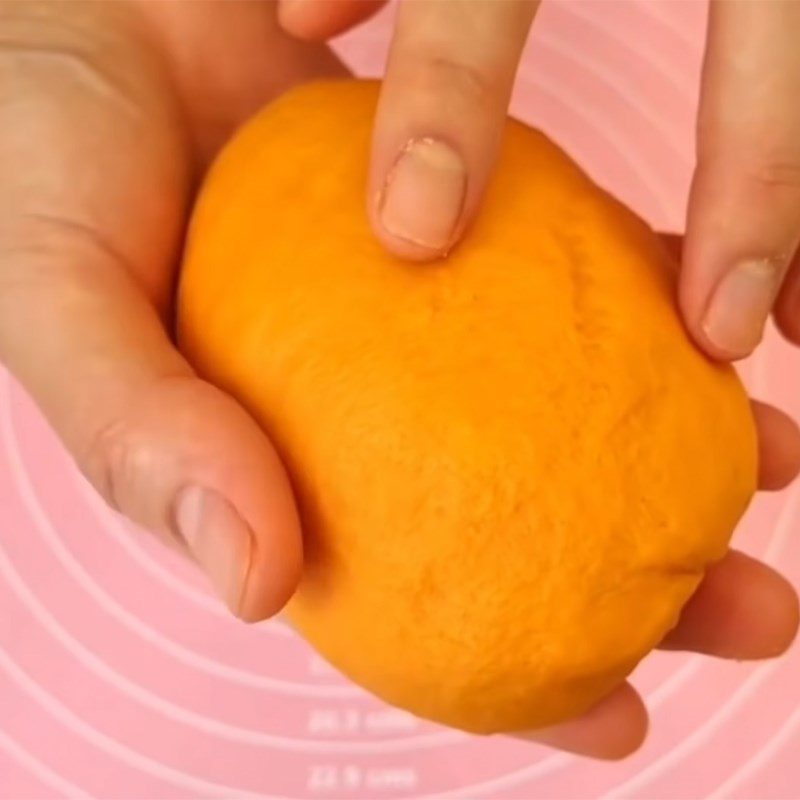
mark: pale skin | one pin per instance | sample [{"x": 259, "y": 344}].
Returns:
[{"x": 109, "y": 115}]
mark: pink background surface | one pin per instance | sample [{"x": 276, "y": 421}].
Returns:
[{"x": 121, "y": 677}]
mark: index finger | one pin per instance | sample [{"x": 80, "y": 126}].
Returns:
[{"x": 440, "y": 118}]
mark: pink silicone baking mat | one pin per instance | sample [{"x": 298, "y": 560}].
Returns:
[{"x": 121, "y": 676}]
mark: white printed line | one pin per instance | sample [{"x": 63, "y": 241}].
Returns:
[{"x": 47, "y": 775}]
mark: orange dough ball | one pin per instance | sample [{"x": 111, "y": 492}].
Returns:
[{"x": 512, "y": 466}]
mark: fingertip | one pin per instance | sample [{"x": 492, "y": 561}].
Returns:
[
  {"x": 770, "y": 621},
  {"x": 275, "y": 560},
  {"x": 709, "y": 348},
  {"x": 300, "y": 18},
  {"x": 234, "y": 504},
  {"x": 774, "y": 610},
  {"x": 417, "y": 207},
  {"x": 691, "y": 305},
  {"x": 318, "y": 20},
  {"x": 732, "y": 268},
  {"x": 409, "y": 251},
  {"x": 629, "y": 740},
  {"x": 272, "y": 572},
  {"x": 787, "y": 309},
  {"x": 789, "y": 621},
  {"x": 743, "y": 609},
  {"x": 612, "y": 730},
  {"x": 788, "y": 324},
  {"x": 272, "y": 578},
  {"x": 776, "y": 599},
  {"x": 778, "y": 447},
  {"x": 715, "y": 329},
  {"x": 786, "y": 620}
]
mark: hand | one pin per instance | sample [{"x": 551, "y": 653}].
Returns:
[
  {"x": 743, "y": 609},
  {"x": 109, "y": 113},
  {"x": 437, "y": 131},
  {"x": 448, "y": 80}
]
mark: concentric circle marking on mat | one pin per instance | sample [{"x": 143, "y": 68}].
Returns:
[
  {"x": 651, "y": 57},
  {"x": 583, "y": 60},
  {"x": 40, "y": 770},
  {"x": 748, "y": 687},
  {"x": 647, "y": 177},
  {"x": 146, "y": 697},
  {"x": 190, "y": 718},
  {"x": 111, "y": 746},
  {"x": 760, "y": 758},
  {"x": 129, "y": 620}
]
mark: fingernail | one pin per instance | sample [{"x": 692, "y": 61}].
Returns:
[
  {"x": 423, "y": 196},
  {"x": 741, "y": 304},
  {"x": 218, "y": 538}
]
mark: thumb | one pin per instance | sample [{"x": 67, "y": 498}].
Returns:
[
  {"x": 94, "y": 181},
  {"x": 171, "y": 452}
]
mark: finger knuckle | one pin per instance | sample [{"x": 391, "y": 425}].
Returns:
[
  {"x": 119, "y": 463},
  {"x": 68, "y": 43},
  {"x": 780, "y": 171},
  {"x": 132, "y": 456},
  {"x": 58, "y": 67},
  {"x": 468, "y": 81},
  {"x": 106, "y": 457},
  {"x": 66, "y": 58},
  {"x": 47, "y": 258}
]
